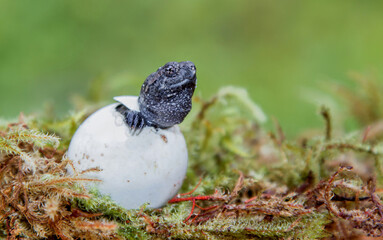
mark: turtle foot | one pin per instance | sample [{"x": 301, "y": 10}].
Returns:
[{"x": 135, "y": 121}]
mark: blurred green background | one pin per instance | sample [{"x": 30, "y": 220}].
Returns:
[{"x": 280, "y": 51}]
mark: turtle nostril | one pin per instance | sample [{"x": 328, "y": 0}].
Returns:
[
  {"x": 188, "y": 65},
  {"x": 193, "y": 70}
]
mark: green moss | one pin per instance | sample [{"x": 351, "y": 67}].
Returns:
[{"x": 253, "y": 183}]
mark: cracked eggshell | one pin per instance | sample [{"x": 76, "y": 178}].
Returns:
[{"x": 136, "y": 169}]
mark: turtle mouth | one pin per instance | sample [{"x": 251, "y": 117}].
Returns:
[
  {"x": 193, "y": 81},
  {"x": 185, "y": 83}
]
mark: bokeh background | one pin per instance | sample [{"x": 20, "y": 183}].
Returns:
[{"x": 282, "y": 52}]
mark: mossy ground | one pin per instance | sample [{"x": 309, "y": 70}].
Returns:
[{"x": 243, "y": 180}]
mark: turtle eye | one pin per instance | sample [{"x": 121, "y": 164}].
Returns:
[{"x": 169, "y": 71}]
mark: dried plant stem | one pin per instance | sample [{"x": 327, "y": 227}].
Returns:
[{"x": 325, "y": 112}]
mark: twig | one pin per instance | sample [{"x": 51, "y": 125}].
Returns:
[
  {"x": 213, "y": 197},
  {"x": 325, "y": 112},
  {"x": 193, "y": 190},
  {"x": 327, "y": 193},
  {"x": 365, "y": 134},
  {"x": 374, "y": 198},
  {"x": 238, "y": 186},
  {"x": 281, "y": 135}
]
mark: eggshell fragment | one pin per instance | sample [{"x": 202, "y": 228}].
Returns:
[{"x": 136, "y": 169}]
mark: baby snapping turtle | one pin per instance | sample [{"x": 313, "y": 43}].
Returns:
[{"x": 165, "y": 97}]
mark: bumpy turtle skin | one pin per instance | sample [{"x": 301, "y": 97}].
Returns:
[{"x": 165, "y": 97}]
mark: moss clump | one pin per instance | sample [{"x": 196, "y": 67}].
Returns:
[
  {"x": 36, "y": 190},
  {"x": 318, "y": 186}
]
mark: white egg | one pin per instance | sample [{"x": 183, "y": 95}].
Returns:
[{"x": 136, "y": 169}]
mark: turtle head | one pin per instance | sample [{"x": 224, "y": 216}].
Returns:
[{"x": 165, "y": 97}]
